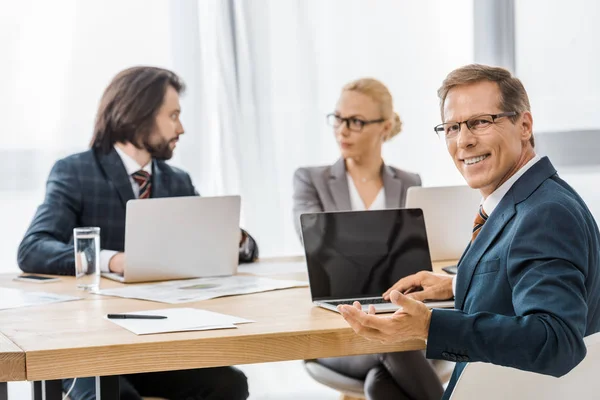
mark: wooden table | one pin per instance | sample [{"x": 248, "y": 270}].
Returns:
[
  {"x": 12, "y": 364},
  {"x": 12, "y": 361},
  {"x": 73, "y": 339}
]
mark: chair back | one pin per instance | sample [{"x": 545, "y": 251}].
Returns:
[{"x": 494, "y": 382}]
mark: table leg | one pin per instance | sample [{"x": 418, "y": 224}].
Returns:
[
  {"x": 107, "y": 388},
  {"x": 47, "y": 390},
  {"x": 3, "y": 391}
]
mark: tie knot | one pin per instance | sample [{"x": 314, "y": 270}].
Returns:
[
  {"x": 141, "y": 177},
  {"x": 480, "y": 219}
]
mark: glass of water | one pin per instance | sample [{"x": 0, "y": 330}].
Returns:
[{"x": 87, "y": 257}]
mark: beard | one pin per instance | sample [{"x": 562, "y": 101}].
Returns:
[{"x": 161, "y": 150}]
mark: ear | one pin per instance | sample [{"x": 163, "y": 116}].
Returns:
[{"x": 526, "y": 126}]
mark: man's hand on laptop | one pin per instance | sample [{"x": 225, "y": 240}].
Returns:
[
  {"x": 424, "y": 285},
  {"x": 409, "y": 322},
  {"x": 117, "y": 263}
]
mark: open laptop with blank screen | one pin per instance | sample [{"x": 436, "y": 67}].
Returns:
[
  {"x": 449, "y": 214},
  {"x": 358, "y": 255},
  {"x": 180, "y": 237}
]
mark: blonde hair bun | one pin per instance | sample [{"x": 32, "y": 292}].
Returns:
[{"x": 396, "y": 127}]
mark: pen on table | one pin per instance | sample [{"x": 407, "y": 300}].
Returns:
[{"x": 134, "y": 316}]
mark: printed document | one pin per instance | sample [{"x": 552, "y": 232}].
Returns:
[
  {"x": 190, "y": 290},
  {"x": 179, "y": 320},
  {"x": 14, "y": 298}
]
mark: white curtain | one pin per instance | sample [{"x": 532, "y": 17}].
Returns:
[
  {"x": 57, "y": 58},
  {"x": 261, "y": 76},
  {"x": 280, "y": 67}
]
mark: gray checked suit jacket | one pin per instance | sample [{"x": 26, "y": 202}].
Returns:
[
  {"x": 326, "y": 189},
  {"x": 92, "y": 189}
]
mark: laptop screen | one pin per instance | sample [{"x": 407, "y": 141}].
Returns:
[{"x": 353, "y": 254}]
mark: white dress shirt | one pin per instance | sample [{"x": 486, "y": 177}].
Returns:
[
  {"x": 492, "y": 201},
  {"x": 131, "y": 166},
  {"x": 357, "y": 204}
]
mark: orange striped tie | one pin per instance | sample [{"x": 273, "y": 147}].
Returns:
[
  {"x": 142, "y": 178},
  {"x": 478, "y": 224}
]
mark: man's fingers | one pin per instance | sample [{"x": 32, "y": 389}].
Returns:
[
  {"x": 364, "y": 319},
  {"x": 409, "y": 305},
  {"x": 421, "y": 296},
  {"x": 403, "y": 284},
  {"x": 355, "y": 319},
  {"x": 371, "y": 321}
]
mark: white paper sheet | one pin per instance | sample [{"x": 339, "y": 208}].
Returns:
[
  {"x": 190, "y": 290},
  {"x": 273, "y": 268},
  {"x": 179, "y": 320},
  {"x": 14, "y": 298}
]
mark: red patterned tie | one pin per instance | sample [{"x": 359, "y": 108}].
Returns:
[
  {"x": 479, "y": 221},
  {"x": 142, "y": 178}
]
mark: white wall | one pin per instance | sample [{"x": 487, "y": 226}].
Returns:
[
  {"x": 558, "y": 60},
  {"x": 585, "y": 181}
]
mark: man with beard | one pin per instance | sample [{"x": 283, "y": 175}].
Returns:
[{"x": 137, "y": 128}]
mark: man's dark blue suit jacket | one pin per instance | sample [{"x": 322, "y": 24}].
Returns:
[{"x": 528, "y": 288}]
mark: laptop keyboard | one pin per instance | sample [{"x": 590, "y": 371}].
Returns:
[{"x": 378, "y": 300}]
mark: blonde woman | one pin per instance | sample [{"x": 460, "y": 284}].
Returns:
[{"x": 363, "y": 120}]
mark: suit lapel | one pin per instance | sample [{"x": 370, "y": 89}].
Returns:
[
  {"x": 492, "y": 227},
  {"x": 115, "y": 171},
  {"x": 463, "y": 254},
  {"x": 160, "y": 181},
  {"x": 338, "y": 185},
  {"x": 393, "y": 188},
  {"x": 521, "y": 190}
]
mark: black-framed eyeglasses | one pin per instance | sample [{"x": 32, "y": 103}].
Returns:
[
  {"x": 476, "y": 125},
  {"x": 354, "y": 124}
]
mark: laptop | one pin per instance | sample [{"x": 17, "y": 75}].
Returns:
[
  {"x": 358, "y": 255},
  {"x": 449, "y": 214},
  {"x": 180, "y": 237}
]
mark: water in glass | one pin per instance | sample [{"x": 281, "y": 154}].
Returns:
[{"x": 87, "y": 259}]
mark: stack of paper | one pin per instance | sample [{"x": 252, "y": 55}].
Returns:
[{"x": 179, "y": 320}]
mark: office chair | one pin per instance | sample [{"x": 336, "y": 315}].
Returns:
[
  {"x": 353, "y": 389},
  {"x": 493, "y": 382}
]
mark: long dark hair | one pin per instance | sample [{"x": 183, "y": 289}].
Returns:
[{"x": 129, "y": 105}]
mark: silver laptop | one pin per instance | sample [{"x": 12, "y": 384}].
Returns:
[
  {"x": 180, "y": 237},
  {"x": 449, "y": 214},
  {"x": 358, "y": 255}
]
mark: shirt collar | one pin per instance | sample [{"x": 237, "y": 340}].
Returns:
[
  {"x": 132, "y": 166},
  {"x": 492, "y": 201}
]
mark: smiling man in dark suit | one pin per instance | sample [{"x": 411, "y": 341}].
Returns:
[
  {"x": 528, "y": 285},
  {"x": 137, "y": 128}
]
